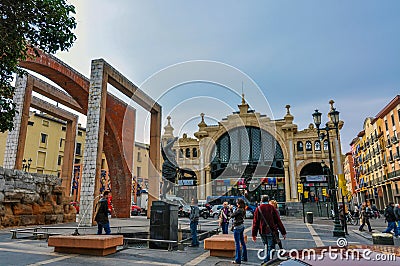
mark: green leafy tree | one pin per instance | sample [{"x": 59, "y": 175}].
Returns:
[{"x": 28, "y": 25}]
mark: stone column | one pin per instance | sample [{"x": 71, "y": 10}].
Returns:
[
  {"x": 292, "y": 172},
  {"x": 15, "y": 144},
  {"x": 94, "y": 141},
  {"x": 69, "y": 155},
  {"x": 287, "y": 181},
  {"x": 208, "y": 184}
]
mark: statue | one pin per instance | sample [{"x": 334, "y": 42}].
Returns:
[{"x": 170, "y": 167}]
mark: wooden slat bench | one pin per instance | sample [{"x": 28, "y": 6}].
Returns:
[
  {"x": 221, "y": 245},
  {"x": 98, "y": 245}
]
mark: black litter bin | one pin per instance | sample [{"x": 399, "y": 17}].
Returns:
[
  {"x": 310, "y": 217},
  {"x": 163, "y": 224}
]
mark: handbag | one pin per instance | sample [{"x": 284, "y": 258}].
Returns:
[{"x": 275, "y": 234}]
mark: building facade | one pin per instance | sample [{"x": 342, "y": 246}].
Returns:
[
  {"x": 376, "y": 157},
  {"x": 250, "y": 154},
  {"x": 44, "y": 153}
]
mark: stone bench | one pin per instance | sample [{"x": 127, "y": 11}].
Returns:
[
  {"x": 221, "y": 245},
  {"x": 98, "y": 245},
  {"x": 382, "y": 239}
]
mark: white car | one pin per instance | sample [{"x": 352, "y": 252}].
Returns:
[{"x": 215, "y": 210}]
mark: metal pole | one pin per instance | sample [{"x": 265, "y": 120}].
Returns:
[
  {"x": 344, "y": 213},
  {"x": 337, "y": 230}
]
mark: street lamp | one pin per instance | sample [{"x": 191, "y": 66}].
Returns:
[{"x": 334, "y": 116}]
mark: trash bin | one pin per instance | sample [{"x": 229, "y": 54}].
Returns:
[{"x": 310, "y": 217}]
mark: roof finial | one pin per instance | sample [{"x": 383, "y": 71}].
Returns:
[
  {"x": 331, "y": 102},
  {"x": 202, "y": 117},
  {"x": 288, "y": 109},
  {"x": 169, "y": 120}
]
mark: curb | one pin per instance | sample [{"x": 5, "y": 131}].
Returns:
[{"x": 365, "y": 235}]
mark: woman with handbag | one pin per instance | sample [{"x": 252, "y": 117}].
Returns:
[
  {"x": 238, "y": 229},
  {"x": 266, "y": 222},
  {"x": 224, "y": 218}
]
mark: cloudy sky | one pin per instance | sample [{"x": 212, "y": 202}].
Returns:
[{"x": 301, "y": 53}]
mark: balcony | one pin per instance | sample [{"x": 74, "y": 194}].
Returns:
[
  {"x": 388, "y": 144},
  {"x": 394, "y": 140},
  {"x": 396, "y": 156}
]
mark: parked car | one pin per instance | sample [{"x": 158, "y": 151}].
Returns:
[
  {"x": 76, "y": 205},
  {"x": 215, "y": 210},
  {"x": 184, "y": 210},
  {"x": 135, "y": 210}
]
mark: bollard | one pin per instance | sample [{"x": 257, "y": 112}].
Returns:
[{"x": 310, "y": 217}]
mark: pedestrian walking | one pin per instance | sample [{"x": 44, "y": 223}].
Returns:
[
  {"x": 224, "y": 218},
  {"x": 397, "y": 215},
  {"x": 391, "y": 219},
  {"x": 365, "y": 214},
  {"x": 102, "y": 215},
  {"x": 267, "y": 222},
  {"x": 277, "y": 239},
  {"x": 194, "y": 221},
  {"x": 238, "y": 229}
]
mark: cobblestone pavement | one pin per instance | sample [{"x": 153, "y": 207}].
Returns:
[{"x": 25, "y": 251}]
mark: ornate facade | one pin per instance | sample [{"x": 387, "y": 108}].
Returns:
[{"x": 250, "y": 154}]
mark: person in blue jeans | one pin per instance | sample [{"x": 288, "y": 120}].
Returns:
[
  {"x": 102, "y": 215},
  {"x": 391, "y": 219},
  {"x": 238, "y": 230},
  {"x": 224, "y": 217},
  {"x": 266, "y": 222},
  {"x": 194, "y": 220}
]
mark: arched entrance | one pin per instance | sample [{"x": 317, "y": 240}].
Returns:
[
  {"x": 315, "y": 182},
  {"x": 248, "y": 160}
]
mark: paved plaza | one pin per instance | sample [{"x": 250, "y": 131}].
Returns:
[{"x": 27, "y": 251}]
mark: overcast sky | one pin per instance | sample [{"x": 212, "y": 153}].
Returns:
[{"x": 301, "y": 53}]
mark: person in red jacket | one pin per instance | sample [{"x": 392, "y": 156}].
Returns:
[{"x": 266, "y": 213}]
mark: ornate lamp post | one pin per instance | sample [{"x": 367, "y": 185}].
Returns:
[{"x": 334, "y": 116}]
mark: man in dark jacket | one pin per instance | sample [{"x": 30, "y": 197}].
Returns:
[
  {"x": 194, "y": 220},
  {"x": 391, "y": 219},
  {"x": 102, "y": 215},
  {"x": 267, "y": 213}
]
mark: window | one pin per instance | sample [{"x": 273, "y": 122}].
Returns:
[
  {"x": 43, "y": 138},
  {"x": 317, "y": 145},
  {"x": 59, "y": 161},
  {"x": 326, "y": 145},
  {"x": 77, "y": 161},
  {"x": 391, "y": 155},
  {"x": 187, "y": 153},
  {"x": 398, "y": 114},
  {"x": 180, "y": 153},
  {"x": 30, "y": 123},
  {"x": 386, "y": 125},
  {"x": 299, "y": 146},
  {"x": 392, "y": 117},
  {"x": 139, "y": 157},
  {"x": 308, "y": 146},
  {"x": 195, "y": 152},
  {"x": 138, "y": 171},
  {"x": 61, "y": 142},
  {"x": 79, "y": 133},
  {"x": 78, "y": 148},
  {"x": 45, "y": 123},
  {"x": 63, "y": 128}
]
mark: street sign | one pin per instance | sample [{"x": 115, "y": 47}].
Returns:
[{"x": 300, "y": 188}]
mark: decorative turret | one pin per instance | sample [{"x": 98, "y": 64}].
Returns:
[
  {"x": 289, "y": 120},
  {"x": 168, "y": 130},
  {"x": 202, "y": 133}
]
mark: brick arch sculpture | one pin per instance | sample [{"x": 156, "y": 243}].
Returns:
[{"x": 111, "y": 127}]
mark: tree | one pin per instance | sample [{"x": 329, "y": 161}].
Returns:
[{"x": 28, "y": 25}]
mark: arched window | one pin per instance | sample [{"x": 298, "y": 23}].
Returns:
[
  {"x": 187, "y": 153},
  {"x": 299, "y": 146},
  {"x": 317, "y": 145},
  {"x": 195, "y": 152},
  {"x": 180, "y": 153},
  {"x": 308, "y": 146},
  {"x": 325, "y": 145}
]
